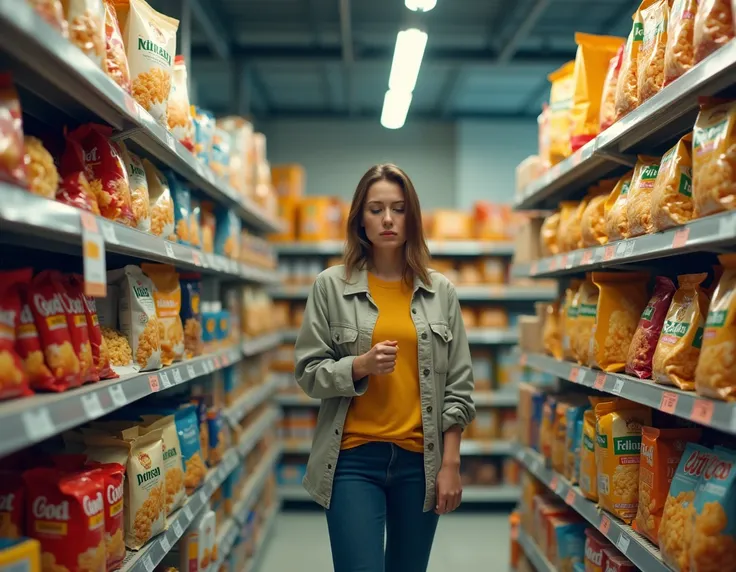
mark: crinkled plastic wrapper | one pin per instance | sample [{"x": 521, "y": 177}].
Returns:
[
  {"x": 713, "y": 27},
  {"x": 608, "y": 97},
  {"x": 672, "y": 197},
  {"x": 651, "y": 55},
  {"x": 585, "y": 323},
  {"x": 627, "y": 91},
  {"x": 548, "y": 235},
  {"x": 639, "y": 205},
  {"x": 566, "y": 240},
  {"x": 617, "y": 221},
  {"x": 551, "y": 334},
  {"x": 644, "y": 342},
  {"x": 679, "y": 51},
  {"x": 593, "y": 223}
]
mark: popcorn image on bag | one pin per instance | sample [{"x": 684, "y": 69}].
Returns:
[
  {"x": 638, "y": 205},
  {"x": 140, "y": 200},
  {"x": 43, "y": 178},
  {"x": 167, "y": 297},
  {"x": 162, "y": 206},
  {"x": 173, "y": 463},
  {"x": 117, "y": 346},
  {"x": 679, "y": 51},
  {"x": 86, "y": 26},
  {"x": 672, "y": 196},
  {"x": 651, "y": 54}
]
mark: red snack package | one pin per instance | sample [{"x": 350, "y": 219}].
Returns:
[
  {"x": 28, "y": 346},
  {"x": 74, "y": 190},
  {"x": 617, "y": 562},
  {"x": 114, "y": 480},
  {"x": 72, "y": 295},
  {"x": 644, "y": 342},
  {"x": 66, "y": 514},
  {"x": 50, "y": 315},
  {"x": 13, "y": 378},
  {"x": 116, "y": 61},
  {"x": 100, "y": 354},
  {"x": 109, "y": 176},
  {"x": 12, "y": 504},
  {"x": 12, "y": 147}
]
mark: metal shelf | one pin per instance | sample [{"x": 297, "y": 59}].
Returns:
[
  {"x": 436, "y": 247},
  {"x": 652, "y": 126},
  {"x": 534, "y": 554},
  {"x": 250, "y": 400},
  {"x": 59, "y": 74},
  {"x": 255, "y": 346},
  {"x": 637, "y": 549},
  {"x": 498, "y": 398},
  {"x": 40, "y": 220},
  {"x": 32, "y": 419},
  {"x": 686, "y": 404}
]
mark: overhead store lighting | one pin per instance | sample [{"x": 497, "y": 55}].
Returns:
[
  {"x": 420, "y": 5},
  {"x": 408, "y": 54},
  {"x": 395, "y": 107}
]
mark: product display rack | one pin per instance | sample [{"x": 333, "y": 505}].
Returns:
[
  {"x": 534, "y": 554},
  {"x": 500, "y": 398}
]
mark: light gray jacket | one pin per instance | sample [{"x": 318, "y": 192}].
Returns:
[{"x": 338, "y": 326}]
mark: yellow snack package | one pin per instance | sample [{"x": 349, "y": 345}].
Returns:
[
  {"x": 715, "y": 375},
  {"x": 651, "y": 53},
  {"x": 167, "y": 297},
  {"x": 588, "y": 471},
  {"x": 617, "y": 454},
  {"x": 548, "y": 235},
  {"x": 568, "y": 316},
  {"x": 714, "y": 157},
  {"x": 678, "y": 53},
  {"x": 672, "y": 196},
  {"x": 639, "y": 205},
  {"x": 593, "y": 55},
  {"x": 679, "y": 343},
  {"x": 559, "y": 434},
  {"x": 565, "y": 236},
  {"x": 617, "y": 221},
  {"x": 593, "y": 223},
  {"x": 560, "y": 102},
  {"x": 585, "y": 323},
  {"x": 551, "y": 335},
  {"x": 608, "y": 96},
  {"x": 713, "y": 27},
  {"x": 622, "y": 297}
]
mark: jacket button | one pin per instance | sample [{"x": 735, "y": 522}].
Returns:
[
  {"x": 426, "y": 372},
  {"x": 430, "y": 447},
  {"x": 337, "y": 431},
  {"x": 413, "y": 310},
  {"x": 429, "y": 409},
  {"x": 337, "y": 337},
  {"x": 424, "y": 335},
  {"x": 329, "y": 466}
]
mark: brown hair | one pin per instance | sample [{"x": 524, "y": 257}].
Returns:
[{"x": 358, "y": 249}]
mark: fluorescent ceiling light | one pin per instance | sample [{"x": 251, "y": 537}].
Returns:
[
  {"x": 420, "y": 5},
  {"x": 408, "y": 55},
  {"x": 395, "y": 107}
]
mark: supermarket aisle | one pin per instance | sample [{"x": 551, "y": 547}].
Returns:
[{"x": 464, "y": 542}]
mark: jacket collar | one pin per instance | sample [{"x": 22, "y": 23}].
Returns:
[{"x": 359, "y": 284}]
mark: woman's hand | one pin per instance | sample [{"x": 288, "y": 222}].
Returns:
[
  {"x": 379, "y": 360},
  {"x": 449, "y": 489}
]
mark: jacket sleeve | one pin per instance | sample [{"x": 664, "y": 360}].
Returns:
[
  {"x": 318, "y": 370},
  {"x": 458, "y": 408}
]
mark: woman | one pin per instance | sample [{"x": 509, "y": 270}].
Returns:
[{"x": 383, "y": 346}]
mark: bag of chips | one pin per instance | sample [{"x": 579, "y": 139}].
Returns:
[
  {"x": 86, "y": 21},
  {"x": 608, "y": 96},
  {"x": 173, "y": 463},
  {"x": 140, "y": 201},
  {"x": 179, "y": 115},
  {"x": 53, "y": 12},
  {"x": 227, "y": 233},
  {"x": 114, "y": 481},
  {"x": 565, "y": 234},
  {"x": 627, "y": 90},
  {"x": 162, "y": 206},
  {"x": 616, "y": 209},
  {"x": 621, "y": 299},
  {"x": 679, "y": 343},
  {"x": 593, "y": 222},
  {"x": 28, "y": 346},
  {"x": 586, "y": 320},
  {"x": 713, "y": 27},
  {"x": 548, "y": 235},
  {"x": 12, "y": 148},
  {"x": 100, "y": 352},
  {"x": 650, "y": 64},
  {"x": 167, "y": 298},
  {"x": 74, "y": 190},
  {"x": 588, "y": 470},
  {"x": 569, "y": 316},
  {"x": 13, "y": 377},
  {"x": 43, "y": 178},
  {"x": 639, "y": 203},
  {"x": 182, "y": 207},
  {"x": 560, "y": 102},
  {"x": 551, "y": 331},
  {"x": 116, "y": 62},
  {"x": 679, "y": 51},
  {"x": 672, "y": 196}
]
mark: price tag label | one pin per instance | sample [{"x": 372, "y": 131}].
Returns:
[
  {"x": 574, "y": 372},
  {"x": 165, "y": 381},
  {"x": 680, "y": 238},
  {"x": 608, "y": 253},
  {"x": 587, "y": 257},
  {"x": 195, "y": 258},
  {"x": 523, "y": 360},
  {"x": 108, "y": 232},
  {"x": 727, "y": 226},
  {"x": 605, "y": 524},
  {"x": 553, "y": 483},
  {"x": 702, "y": 411},
  {"x": 153, "y": 382},
  {"x": 225, "y": 360},
  {"x": 564, "y": 261},
  {"x": 131, "y": 105},
  {"x": 623, "y": 542},
  {"x": 148, "y": 563},
  {"x": 170, "y": 141},
  {"x": 533, "y": 269},
  {"x": 217, "y": 362},
  {"x": 117, "y": 395},
  {"x": 177, "y": 376},
  {"x": 618, "y": 386},
  {"x": 191, "y": 374},
  {"x": 38, "y": 423},
  {"x": 165, "y": 543},
  {"x": 92, "y": 406},
  {"x": 553, "y": 264},
  {"x": 169, "y": 249},
  {"x": 177, "y": 529},
  {"x": 600, "y": 381},
  {"x": 188, "y": 514},
  {"x": 570, "y": 498},
  {"x": 210, "y": 365},
  {"x": 668, "y": 403},
  {"x": 93, "y": 252}
]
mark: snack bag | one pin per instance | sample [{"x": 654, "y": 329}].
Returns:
[
  {"x": 182, "y": 207},
  {"x": 551, "y": 331},
  {"x": 679, "y": 51},
  {"x": 574, "y": 419},
  {"x": 72, "y": 294},
  {"x": 187, "y": 427},
  {"x": 617, "y": 455},
  {"x": 117, "y": 346},
  {"x": 53, "y": 12},
  {"x": 622, "y": 298},
  {"x": 678, "y": 515},
  {"x": 627, "y": 90},
  {"x": 173, "y": 464},
  {"x": 49, "y": 314},
  {"x": 592, "y": 59},
  {"x": 12, "y": 505},
  {"x": 162, "y": 206},
  {"x": 179, "y": 116},
  {"x": 672, "y": 196},
  {"x": 679, "y": 343},
  {"x": 204, "y": 131},
  {"x": 567, "y": 547},
  {"x": 140, "y": 201},
  {"x": 586, "y": 320},
  {"x": 616, "y": 209},
  {"x": 28, "y": 347},
  {"x": 548, "y": 235},
  {"x": 43, "y": 178},
  {"x": 167, "y": 297},
  {"x": 560, "y": 102},
  {"x": 713, "y": 27},
  {"x": 593, "y": 222},
  {"x": 227, "y": 233},
  {"x": 12, "y": 148},
  {"x": 66, "y": 514},
  {"x": 113, "y": 475},
  {"x": 545, "y": 427},
  {"x": 595, "y": 544},
  {"x": 559, "y": 434},
  {"x": 86, "y": 25},
  {"x": 644, "y": 342},
  {"x": 220, "y": 153},
  {"x": 715, "y": 374},
  {"x": 217, "y": 442},
  {"x": 608, "y": 96},
  {"x": 109, "y": 179},
  {"x": 565, "y": 234},
  {"x": 639, "y": 203},
  {"x": 616, "y": 562},
  {"x": 650, "y": 64},
  {"x": 568, "y": 315},
  {"x": 661, "y": 450},
  {"x": 714, "y": 153},
  {"x": 116, "y": 62},
  {"x": 588, "y": 475},
  {"x": 74, "y": 190},
  {"x": 137, "y": 315},
  {"x": 150, "y": 44},
  {"x": 100, "y": 352},
  {"x": 191, "y": 314},
  {"x": 714, "y": 541},
  {"x": 13, "y": 377},
  {"x": 195, "y": 232}
]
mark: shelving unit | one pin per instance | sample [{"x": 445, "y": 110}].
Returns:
[{"x": 535, "y": 555}]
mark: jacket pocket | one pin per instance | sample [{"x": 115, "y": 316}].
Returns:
[
  {"x": 441, "y": 338},
  {"x": 344, "y": 339}
]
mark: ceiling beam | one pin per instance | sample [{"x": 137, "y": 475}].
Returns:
[
  {"x": 214, "y": 30},
  {"x": 522, "y": 31},
  {"x": 373, "y": 114},
  {"x": 347, "y": 54}
]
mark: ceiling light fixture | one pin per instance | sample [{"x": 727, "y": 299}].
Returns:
[
  {"x": 408, "y": 54},
  {"x": 395, "y": 107},
  {"x": 420, "y": 5}
]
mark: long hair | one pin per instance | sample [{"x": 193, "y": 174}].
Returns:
[{"x": 358, "y": 250}]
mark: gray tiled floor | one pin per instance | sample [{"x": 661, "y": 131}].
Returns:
[{"x": 464, "y": 542}]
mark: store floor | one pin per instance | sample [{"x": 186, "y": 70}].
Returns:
[{"x": 464, "y": 541}]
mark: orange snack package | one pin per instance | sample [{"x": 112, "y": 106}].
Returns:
[
  {"x": 13, "y": 378},
  {"x": 672, "y": 196},
  {"x": 650, "y": 64},
  {"x": 167, "y": 297},
  {"x": 608, "y": 96},
  {"x": 679, "y": 51},
  {"x": 560, "y": 102},
  {"x": 616, "y": 209},
  {"x": 713, "y": 27},
  {"x": 74, "y": 190},
  {"x": 548, "y": 235},
  {"x": 28, "y": 346},
  {"x": 43, "y": 178},
  {"x": 12, "y": 147},
  {"x": 593, "y": 223},
  {"x": 639, "y": 205},
  {"x": 116, "y": 61},
  {"x": 114, "y": 481}
]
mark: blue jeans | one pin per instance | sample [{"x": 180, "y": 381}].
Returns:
[{"x": 377, "y": 493}]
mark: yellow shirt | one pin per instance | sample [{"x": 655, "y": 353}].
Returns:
[{"x": 390, "y": 410}]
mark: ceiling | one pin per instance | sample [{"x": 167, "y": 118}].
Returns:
[{"x": 331, "y": 58}]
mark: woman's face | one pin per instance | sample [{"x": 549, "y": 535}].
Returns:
[{"x": 383, "y": 215}]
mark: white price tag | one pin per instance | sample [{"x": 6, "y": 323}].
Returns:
[
  {"x": 92, "y": 406},
  {"x": 177, "y": 376},
  {"x": 108, "y": 232},
  {"x": 727, "y": 226},
  {"x": 93, "y": 252},
  {"x": 177, "y": 529},
  {"x": 188, "y": 514},
  {"x": 165, "y": 543},
  {"x": 169, "y": 249},
  {"x": 623, "y": 542},
  {"x": 148, "y": 563},
  {"x": 618, "y": 386},
  {"x": 38, "y": 423},
  {"x": 210, "y": 365},
  {"x": 190, "y": 372},
  {"x": 170, "y": 141},
  {"x": 117, "y": 395},
  {"x": 203, "y": 496},
  {"x": 164, "y": 377}
]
